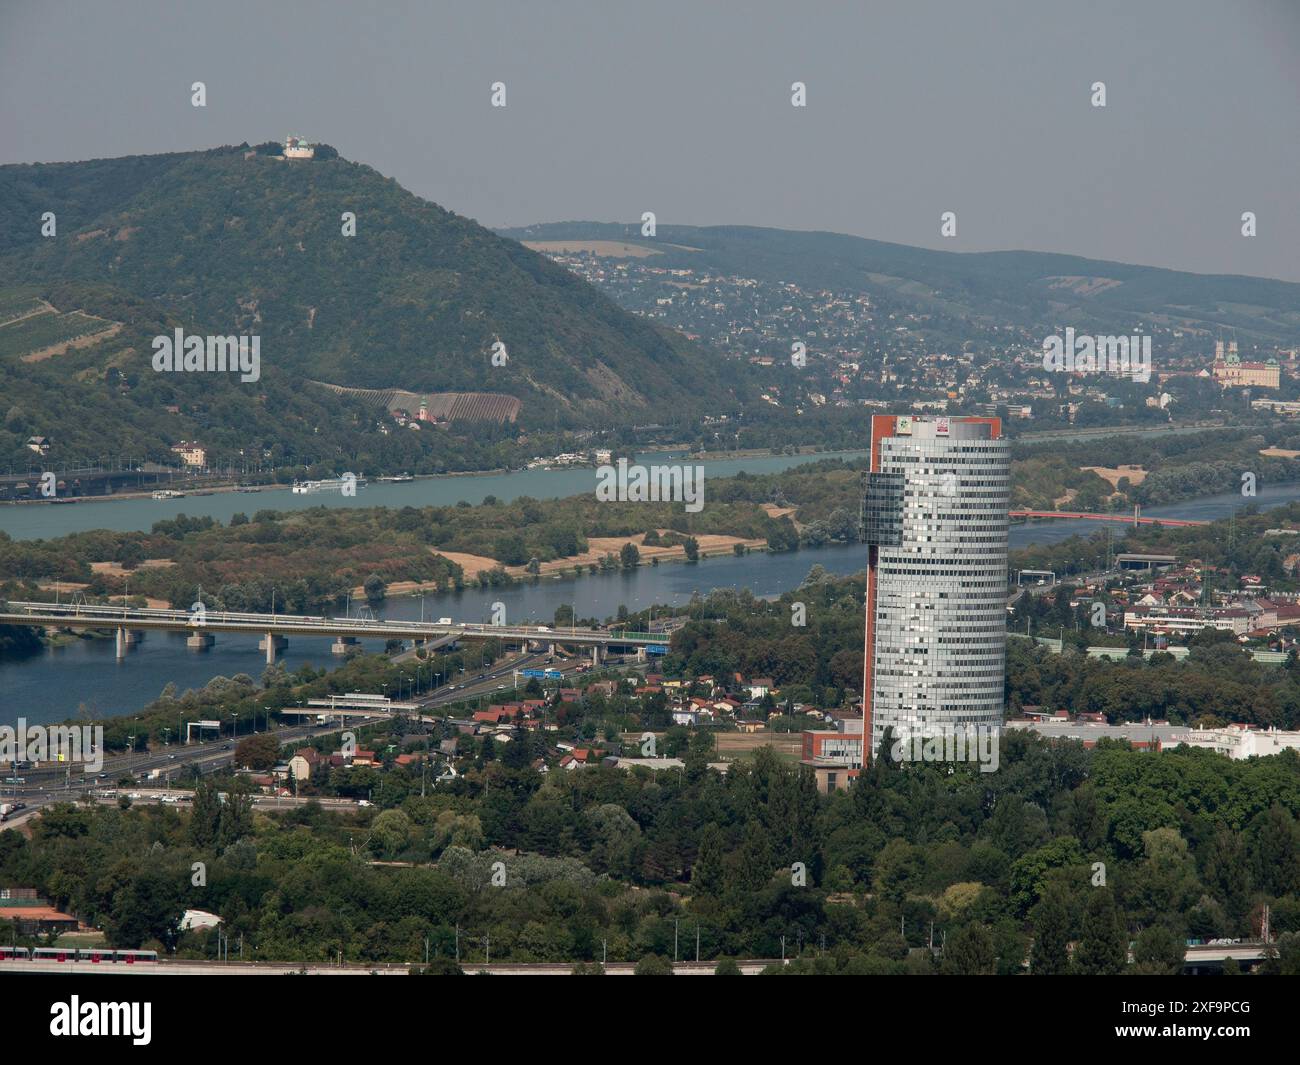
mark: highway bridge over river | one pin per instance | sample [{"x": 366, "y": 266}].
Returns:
[{"x": 203, "y": 626}]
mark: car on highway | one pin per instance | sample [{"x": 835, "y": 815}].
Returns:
[{"x": 225, "y": 746}]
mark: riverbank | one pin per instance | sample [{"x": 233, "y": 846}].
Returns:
[
  {"x": 50, "y": 686},
  {"x": 191, "y": 487},
  {"x": 1131, "y": 430},
  {"x": 139, "y": 512},
  {"x": 588, "y": 563}
]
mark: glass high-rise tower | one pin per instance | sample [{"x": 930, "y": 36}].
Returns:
[{"x": 935, "y": 521}]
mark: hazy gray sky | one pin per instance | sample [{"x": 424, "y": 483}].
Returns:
[{"x": 683, "y": 108}]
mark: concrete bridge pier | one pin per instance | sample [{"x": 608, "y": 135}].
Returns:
[
  {"x": 200, "y": 641},
  {"x": 270, "y": 643},
  {"x": 121, "y": 643},
  {"x": 597, "y": 654},
  {"x": 343, "y": 644},
  {"x": 640, "y": 653}
]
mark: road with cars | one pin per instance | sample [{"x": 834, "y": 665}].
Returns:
[{"x": 50, "y": 784}]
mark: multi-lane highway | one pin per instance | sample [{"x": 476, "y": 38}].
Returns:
[{"x": 51, "y": 784}]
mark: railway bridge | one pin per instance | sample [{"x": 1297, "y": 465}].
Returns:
[{"x": 1124, "y": 519}]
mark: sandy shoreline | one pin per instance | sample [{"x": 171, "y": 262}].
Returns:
[{"x": 711, "y": 546}]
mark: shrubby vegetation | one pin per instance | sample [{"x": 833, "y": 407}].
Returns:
[
  {"x": 232, "y": 241},
  {"x": 994, "y": 870}
]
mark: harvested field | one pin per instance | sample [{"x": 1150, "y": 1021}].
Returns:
[
  {"x": 115, "y": 568},
  {"x": 1112, "y": 474}
]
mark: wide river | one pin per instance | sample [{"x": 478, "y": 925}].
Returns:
[{"x": 61, "y": 681}]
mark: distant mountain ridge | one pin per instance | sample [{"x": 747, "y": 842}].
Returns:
[{"x": 1038, "y": 288}]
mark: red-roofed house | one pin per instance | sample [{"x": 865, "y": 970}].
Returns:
[{"x": 582, "y": 756}]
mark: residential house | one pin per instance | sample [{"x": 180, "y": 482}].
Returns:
[
  {"x": 304, "y": 761},
  {"x": 578, "y": 758},
  {"x": 191, "y": 454}
]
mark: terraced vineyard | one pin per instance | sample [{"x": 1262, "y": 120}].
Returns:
[
  {"x": 15, "y": 305},
  {"x": 441, "y": 406},
  {"x": 22, "y": 336},
  {"x": 473, "y": 407}
]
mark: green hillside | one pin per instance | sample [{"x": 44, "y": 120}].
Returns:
[
  {"x": 1028, "y": 288},
  {"x": 233, "y": 241}
]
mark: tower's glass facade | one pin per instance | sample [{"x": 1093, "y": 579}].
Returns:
[{"x": 935, "y": 513}]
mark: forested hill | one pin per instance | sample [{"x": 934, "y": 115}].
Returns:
[
  {"x": 235, "y": 240},
  {"x": 1030, "y": 289}
]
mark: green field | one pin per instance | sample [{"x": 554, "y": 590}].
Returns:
[
  {"x": 42, "y": 330},
  {"x": 14, "y": 303}
]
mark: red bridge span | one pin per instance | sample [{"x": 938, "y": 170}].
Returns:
[{"x": 1125, "y": 519}]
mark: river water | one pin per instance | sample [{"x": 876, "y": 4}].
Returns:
[
  {"x": 29, "y": 521},
  {"x": 60, "y": 681}
]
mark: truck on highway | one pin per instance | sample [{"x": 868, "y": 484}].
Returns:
[{"x": 154, "y": 774}]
